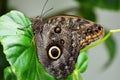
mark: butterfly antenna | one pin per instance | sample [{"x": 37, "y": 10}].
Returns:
[
  {"x": 46, "y": 12},
  {"x": 43, "y": 9}
]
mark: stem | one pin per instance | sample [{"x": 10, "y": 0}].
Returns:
[{"x": 100, "y": 41}]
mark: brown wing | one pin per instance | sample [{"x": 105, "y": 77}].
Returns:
[
  {"x": 69, "y": 34},
  {"x": 86, "y": 31}
]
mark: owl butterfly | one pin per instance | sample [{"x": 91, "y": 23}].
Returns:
[{"x": 59, "y": 40}]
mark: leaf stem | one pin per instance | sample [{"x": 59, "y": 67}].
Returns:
[{"x": 100, "y": 41}]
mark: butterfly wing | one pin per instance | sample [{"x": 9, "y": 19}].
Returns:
[{"x": 59, "y": 40}]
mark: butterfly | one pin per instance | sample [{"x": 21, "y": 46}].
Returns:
[{"x": 59, "y": 40}]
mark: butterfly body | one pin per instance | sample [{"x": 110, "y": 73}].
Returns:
[{"x": 59, "y": 40}]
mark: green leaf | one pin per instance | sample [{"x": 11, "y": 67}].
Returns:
[
  {"x": 3, "y": 62},
  {"x": 75, "y": 75},
  {"x": 87, "y": 3},
  {"x": 9, "y": 74},
  {"x": 109, "y": 4},
  {"x": 111, "y": 48},
  {"x": 16, "y": 37},
  {"x": 80, "y": 67},
  {"x": 82, "y": 62},
  {"x": 105, "y": 4},
  {"x": 87, "y": 13}
]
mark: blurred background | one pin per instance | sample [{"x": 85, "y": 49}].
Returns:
[{"x": 104, "y": 59}]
